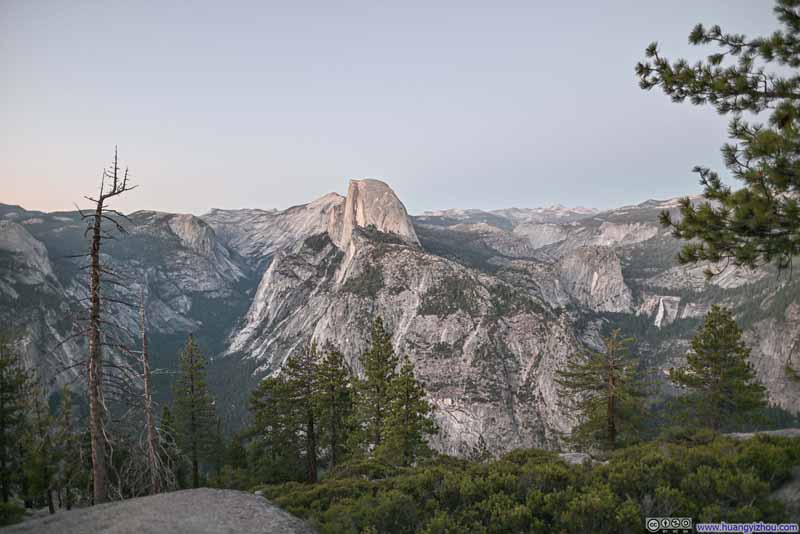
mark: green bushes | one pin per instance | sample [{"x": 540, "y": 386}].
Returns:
[
  {"x": 507, "y": 301},
  {"x": 533, "y": 491},
  {"x": 10, "y": 513},
  {"x": 368, "y": 283},
  {"x": 363, "y": 468},
  {"x": 452, "y": 294}
]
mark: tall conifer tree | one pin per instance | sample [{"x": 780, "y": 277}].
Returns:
[
  {"x": 195, "y": 417},
  {"x": 68, "y": 446},
  {"x": 38, "y": 438},
  {"x": 374, "y": 397},
  {"x": 723, "y": 385},
  {"x": 274, "y": 442},
  {"x": 408, "y": 419},
  {"x": 14, "y": 383},
  {"x": 760, "y": 221},
  {"x": 300, "y": 374},
  {"x": 334, "y": 404},
  {"x": 604, "y": 391}
]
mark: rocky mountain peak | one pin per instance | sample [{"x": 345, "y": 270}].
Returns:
[
  {"x": 193, "y": 232},
  {"x": 370, "y": 203},
  {"x": 325, "y": 201},
  {"x": 15, "y": 239}
]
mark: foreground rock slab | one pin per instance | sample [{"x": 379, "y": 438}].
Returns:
[
  {"x": 200, "y": 511},
  {"x": 782, "y": 433}
]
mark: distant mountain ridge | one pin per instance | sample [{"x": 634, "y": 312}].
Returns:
[{"x": 488, "y": 304}]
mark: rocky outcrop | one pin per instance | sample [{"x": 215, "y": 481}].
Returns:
[
  {"x": 28, "y": 251},
  {"x": 775, "y": 357},
  {"x": 693, "y": 277},
  {"x": 793, "y": 433},
  {"x": 663, "y": 309},
  {"x": 540, "y": 235},
  {"x": 370, "y": 203},
  {"x": 194, "y": 233},
  {"x": 593, "y": 277},
  {"x": 258, "y": 234},
  {"x": 616, "y": 234},
  {"x": 197, "y": 511},
  {"x": 188, "y": 254}
]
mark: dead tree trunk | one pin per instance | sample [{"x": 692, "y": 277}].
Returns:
[
  {"x": 96, "y": 412},
  {"x": 149, "y": 418},
  {"x": 119, "y": 185}
]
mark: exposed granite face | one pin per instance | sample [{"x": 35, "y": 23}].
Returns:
[
  {"x": 256, "y": 235},
  {"x": 197, "y": 261},
  {"x": 774, "y": 344},
  {"x": 489, "y": 375},
  {"x": 176, "y": 260},
  {"x": 371, "y": 203},
  {"x": 593, "y": 277},
  {"x": 27, "y": 280},
  {"x": 489, "y": 371},
  {"x": 28, "y": 251},
  {"x": 487, "y": 304},
  {"x": 618, "y": 268},
  {"x": 542, "y": 234},
  {"x": 666, "y": 309}
]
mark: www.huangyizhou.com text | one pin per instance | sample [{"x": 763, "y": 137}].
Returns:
[{"x": 747, "y": 528}]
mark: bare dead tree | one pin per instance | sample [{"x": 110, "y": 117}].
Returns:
[
  {"x": 117, "y": 185},
  {"x": 149, "y": 417},
  {"x": 146, "y": 469}
]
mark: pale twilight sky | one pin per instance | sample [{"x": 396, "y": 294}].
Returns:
[{"x": 268, "y": 104}]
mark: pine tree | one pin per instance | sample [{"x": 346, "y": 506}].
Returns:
[
  {"x": 408, "y": 420},
  {"x": 300, "y": 373},
  {"x": 334, "y": 404},
  {"x": 38, "y": 439},
  {"x": 723, "y": 384},
  {"x": 380, "y": 364},
  {"x": 68, "y": 447},
  {"x": 759, "y": 222},
  {"x": 219, "y": 449},
  {"x": 603, "y": 389},
  {"x": 236, "y": 455},
  {"x": 274, "y": 448},
  {"x": 195, "y": 418},
  {"x": 14, "y": 382}
]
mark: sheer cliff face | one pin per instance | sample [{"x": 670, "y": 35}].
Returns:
[
  {"x": 32, "y": 303},
  {"x": 27, "y": 250},
  {"x": 487, "y": 304},
  {"x": 593, "y": 277},
  {"x": 370, "y": 206},
  {"x": 371, "y": 203}
]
